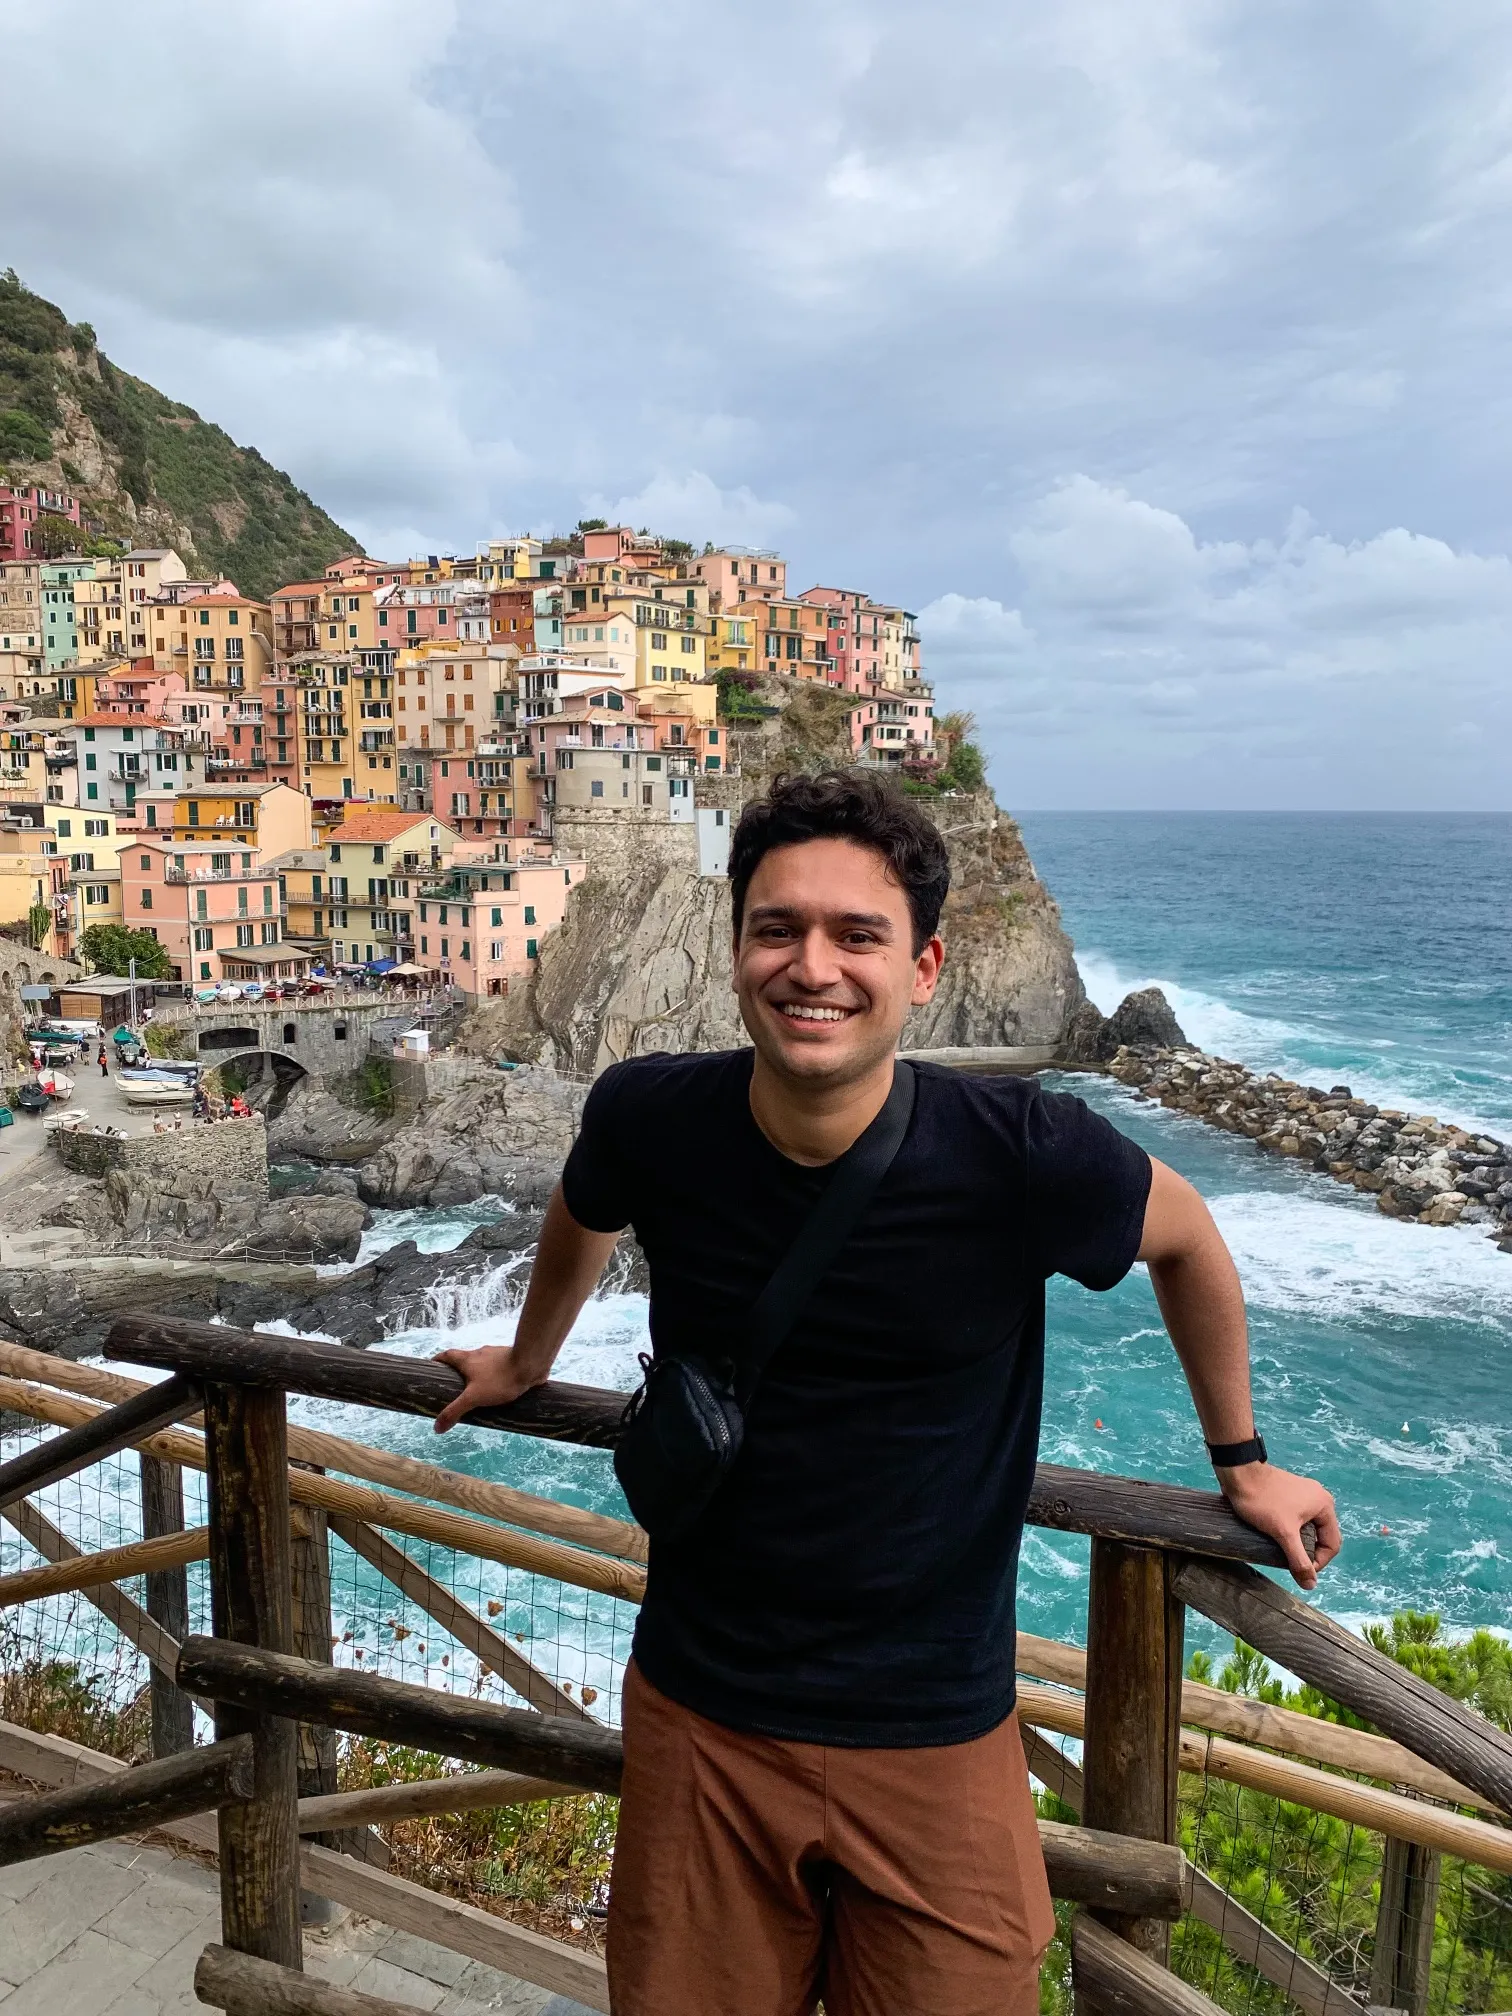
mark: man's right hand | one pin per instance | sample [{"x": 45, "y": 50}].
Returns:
[{"x": 494, "y": 1376}]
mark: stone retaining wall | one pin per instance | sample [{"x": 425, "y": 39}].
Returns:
[{"x": 225, "y": 1151}]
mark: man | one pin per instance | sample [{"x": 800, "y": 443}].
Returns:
[{"x": 825, "y": 1793}]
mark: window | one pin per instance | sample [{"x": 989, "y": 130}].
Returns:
[
  {"x": 92, "y": 791},
  {"x": 496, "y": 949},
  {"x": 194, "y": 812},
  {"x": 65, "y": 829},
  {"x": 201, "y": 903},
  {"x": 244, "y": 934},
  {"x": 267, "y": 898},
  {"x": 530, "y": 948},
  {"x": 270, "y": 934},
  {"x": 204, "y": 969},
  {"x": 658, "y": 641},
  {"x": 146, "y": 899},
  {"x": 596, "y": 788},
  {"x": 466, "y": 949},
  {"x": 204, "y": 940},
  {"x": 690, "y": 643},
  {"x": 529, "y": 914},
  {"x": 146, "y": 864},
  {"x": 241, "y": 901}
]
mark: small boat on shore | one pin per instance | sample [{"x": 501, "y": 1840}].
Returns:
[
  {"x": 56, "y": 1084},
  {"x": 155, "y": 1091}
]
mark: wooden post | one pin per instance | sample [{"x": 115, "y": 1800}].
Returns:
[
  {"x": 310, "y": 1562},
  {"x": 1133, "y": 1727},
  {"x": 1404, "y": 1927},
  {"x": 167, "y": 1603},
  {"x": 246, "y": 1448}
]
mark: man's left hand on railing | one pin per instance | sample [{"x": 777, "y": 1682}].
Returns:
[{"x": 1280, "y": 1504}]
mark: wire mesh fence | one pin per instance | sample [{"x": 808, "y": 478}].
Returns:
[{"x": 1311, "y": 1882}]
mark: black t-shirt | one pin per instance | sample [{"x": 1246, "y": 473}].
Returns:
[{"x": 852, "y": 1581}]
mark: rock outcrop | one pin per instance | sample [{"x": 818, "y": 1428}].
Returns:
[
  {"x": 1142, "y": 1020},
  {"x": 503, "y": 1133}
]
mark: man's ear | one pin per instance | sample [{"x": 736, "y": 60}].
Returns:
[{"x": 927, "y": 972}]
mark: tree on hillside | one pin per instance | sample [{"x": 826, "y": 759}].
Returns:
[
  {"x": 52, "y": 535},
  {"x": 110, "y": 948}
]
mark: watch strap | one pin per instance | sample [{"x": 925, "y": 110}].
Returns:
[{"x": 1232, "y": 1455}]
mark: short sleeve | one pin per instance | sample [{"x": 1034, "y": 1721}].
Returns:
[
  {"x": 1087, "y": 1187},
  {"x": 595, "y": 1181}
]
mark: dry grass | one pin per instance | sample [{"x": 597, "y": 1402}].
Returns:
[{"x": 544, "y": 1865}]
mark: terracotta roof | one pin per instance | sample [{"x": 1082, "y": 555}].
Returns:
[
  {"x": 228, "y": 601},
  {"x": 376, "y": 825}
]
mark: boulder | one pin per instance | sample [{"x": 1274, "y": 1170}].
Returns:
[{"x": 1143, "y": 1020}]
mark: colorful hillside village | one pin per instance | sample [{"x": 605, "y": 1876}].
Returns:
[{"x": 394, "y": 767}]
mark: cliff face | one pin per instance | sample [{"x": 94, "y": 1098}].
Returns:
[
  {"x": 642, "y": 960},
  {"x": 146, "y": 469}
]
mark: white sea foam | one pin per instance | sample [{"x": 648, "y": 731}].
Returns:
[{"x": 1325, "y": 1256}]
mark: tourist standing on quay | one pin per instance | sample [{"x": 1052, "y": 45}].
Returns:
[{"x": 824, "y": 1791}]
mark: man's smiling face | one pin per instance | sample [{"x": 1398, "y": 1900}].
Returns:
[{"x": 825, "y": 966}]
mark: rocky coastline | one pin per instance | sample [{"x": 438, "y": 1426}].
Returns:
[{"x": 1414, "y": 1165}]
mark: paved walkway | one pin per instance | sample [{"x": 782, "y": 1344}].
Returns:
[{"x": 115, "y": 1930}]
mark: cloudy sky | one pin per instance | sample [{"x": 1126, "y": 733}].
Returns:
[{"x": 1154, "y": 351}]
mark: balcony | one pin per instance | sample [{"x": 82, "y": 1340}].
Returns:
[{"x": 216, "y": 875}]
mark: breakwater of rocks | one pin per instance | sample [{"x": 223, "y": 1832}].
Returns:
[{"x": 1415, "y": 1165}]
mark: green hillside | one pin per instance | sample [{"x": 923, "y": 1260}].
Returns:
[{"x": 146, "y": 468}]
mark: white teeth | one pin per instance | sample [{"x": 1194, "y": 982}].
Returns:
[{"x": 797, "y": 1012}]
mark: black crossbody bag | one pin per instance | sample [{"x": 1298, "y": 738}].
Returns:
[{"x": 684, "y": 1427}]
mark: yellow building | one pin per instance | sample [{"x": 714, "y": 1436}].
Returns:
[
  {"x": 672, "y": 627},
  {"x": 112, "y": 607},
  {"x": 269, "y": 817},
  {"x": 346, "y": 621},
  {"x": 304, "y": 878},
  {"x": 26, "y": 873},
  {"x": 23, "y": 766},
  {"x": 84, "y": 852},
  {"x": 732, "y": 644},
  {"x": 78, "y": 688},
  {"x": 219, "y": 642}
]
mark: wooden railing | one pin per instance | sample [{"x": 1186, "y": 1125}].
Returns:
[{"x": 1155, "y": 1550}]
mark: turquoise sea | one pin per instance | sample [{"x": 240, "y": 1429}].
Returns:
[{"x": 1369, "y": 950}]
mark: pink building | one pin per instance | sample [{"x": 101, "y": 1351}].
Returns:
[
  {"x": 214, "y": 907},
  {"x": 139, "y": 691},
  {"x": 481, "y": 922},
  {"x": 20, "y": 508}
]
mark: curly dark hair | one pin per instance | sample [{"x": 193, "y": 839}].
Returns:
[{"x": 860, "y": 805}]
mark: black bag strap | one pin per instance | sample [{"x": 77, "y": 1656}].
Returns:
[{"x": 825, "y": 1230}]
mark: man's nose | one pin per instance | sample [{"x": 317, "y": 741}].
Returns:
[{"x": 814, "y": 963}]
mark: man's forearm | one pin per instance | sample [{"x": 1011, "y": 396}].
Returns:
[
  {"x": 1203, "y": 1306},
  {"x": 568, "y": 1263},
  {"x": 569, "y": 1260}
]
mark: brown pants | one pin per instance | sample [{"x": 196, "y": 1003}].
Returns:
[{"x": 753, "y": 1876}]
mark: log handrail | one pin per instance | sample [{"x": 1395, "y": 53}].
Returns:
[
  {"x": 376, "y": 1466},
  {"x": 608, "y": 1575},
  {"x": 1072, "y": 1501},
  {"x": 198, "y": 1781}
]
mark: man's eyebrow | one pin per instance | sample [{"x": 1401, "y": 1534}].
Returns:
[{"x": 875, "y": 920}]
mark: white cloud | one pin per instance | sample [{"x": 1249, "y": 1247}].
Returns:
[
  {"x": 1183, "y": 671},
  {"x": 694, "y": 507}
]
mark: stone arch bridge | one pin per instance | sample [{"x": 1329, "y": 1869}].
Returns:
[{"x": 323, "y": 1039}]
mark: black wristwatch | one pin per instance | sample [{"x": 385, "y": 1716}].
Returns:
[{"x": 1231, "y": 1455}]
